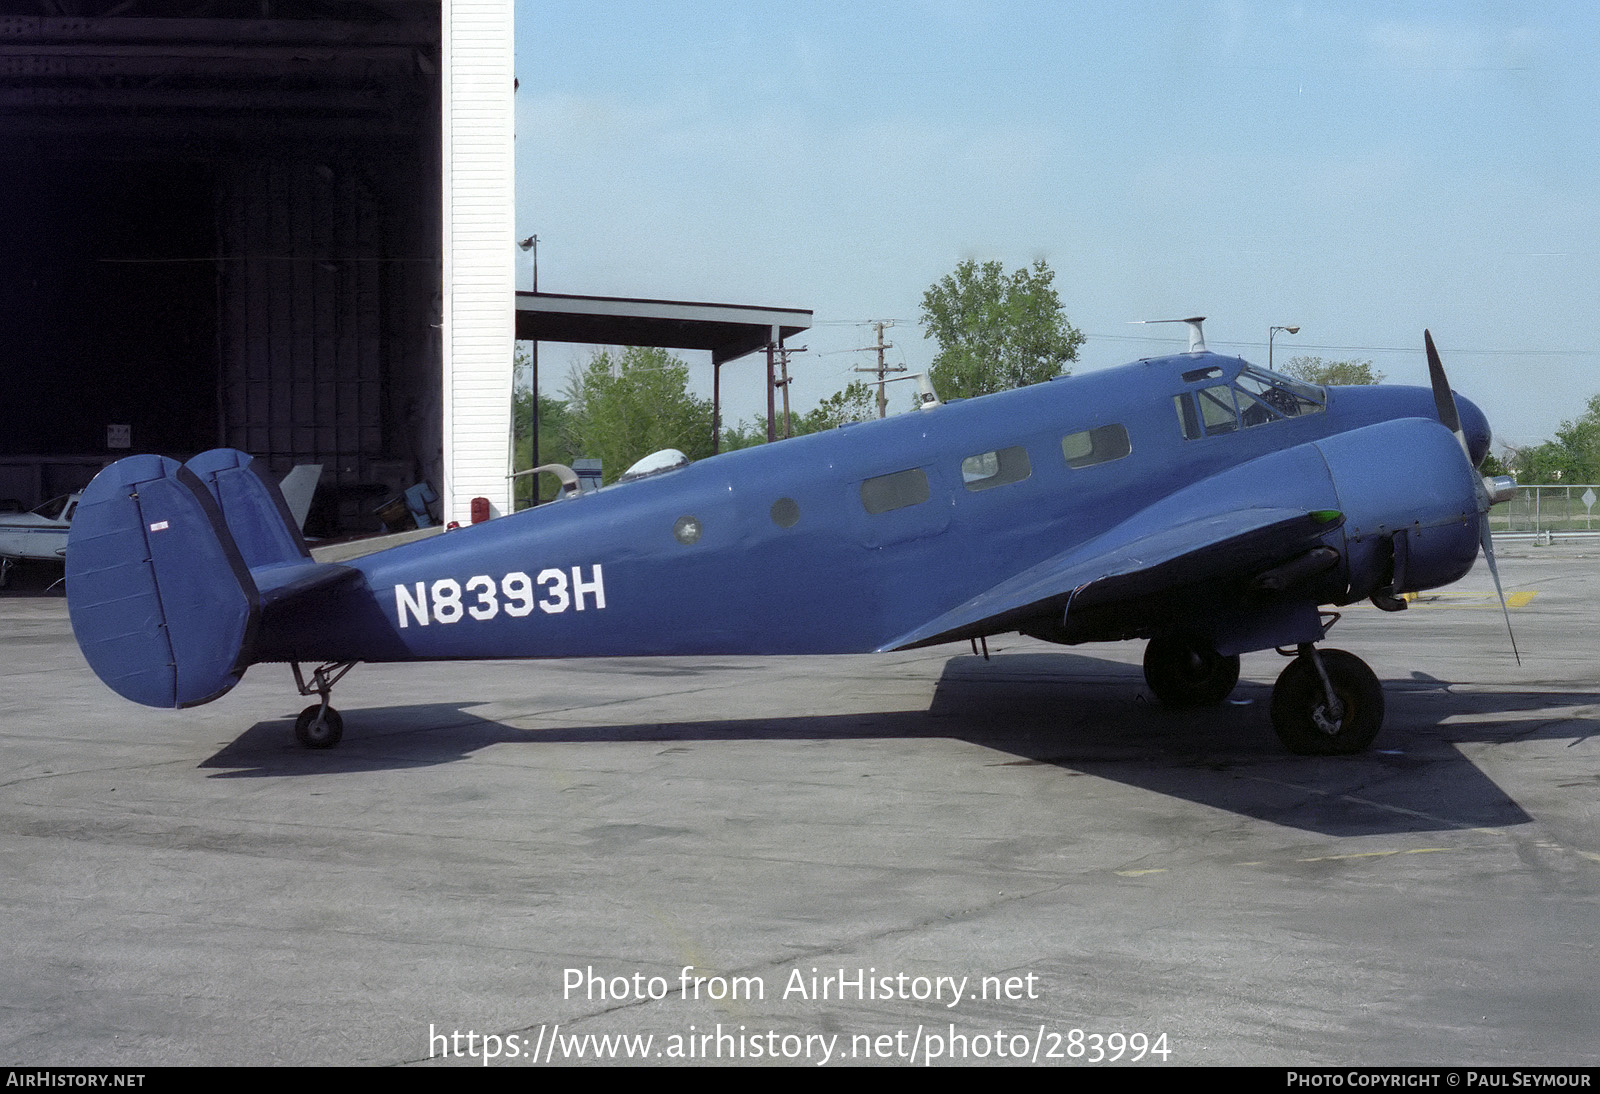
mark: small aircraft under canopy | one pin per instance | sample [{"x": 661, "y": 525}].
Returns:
[
  {"x": 1194, "y": 500},
  {"x": 40, "y": 533}
]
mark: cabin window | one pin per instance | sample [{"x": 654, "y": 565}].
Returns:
[
  {"x": 896, "y": 491},
  {"x": 1092, "y": 446},
  {"x": 1005, "y": 465},
  {"x": 785, "y": 512}
]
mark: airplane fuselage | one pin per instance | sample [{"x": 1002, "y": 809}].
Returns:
[{"x": 846, "y": 541}]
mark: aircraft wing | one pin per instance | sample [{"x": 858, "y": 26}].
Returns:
[{"x": 1133, "y": 563}]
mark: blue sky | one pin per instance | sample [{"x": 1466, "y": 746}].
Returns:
[{"x": 1362, "y": 171}]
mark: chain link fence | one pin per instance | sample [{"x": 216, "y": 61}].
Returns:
[{"x": 1541, "y": 510}]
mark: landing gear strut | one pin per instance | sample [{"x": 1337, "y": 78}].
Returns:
[
  {"x": 1185, "y": 671},
  {"x": 319, "y": 725},
  {"x": 1327, "y": 703}
]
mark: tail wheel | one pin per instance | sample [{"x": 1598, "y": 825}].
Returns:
[
  {"x": 1301, "y": 713},
  {"x": 318, "y": 726},
  {"x": 1185, "y": 671}
]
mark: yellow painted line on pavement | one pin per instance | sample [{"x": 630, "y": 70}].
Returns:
[
  {"x": 1472, "y": 601},
  {"x": 1377, "y": 854}
]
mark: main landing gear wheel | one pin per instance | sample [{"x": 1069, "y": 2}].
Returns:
[
  {"x": 1186, "y": 672},
  {"x": 1308, "y": 724},
  {"x": 318, "y": 726}
]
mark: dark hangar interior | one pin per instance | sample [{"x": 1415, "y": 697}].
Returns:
[{"x": 222, "y": 228}]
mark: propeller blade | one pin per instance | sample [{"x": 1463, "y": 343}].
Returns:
[
  {"x": 1487, "y": 540},
  {"x": 1443, "y": 399}
]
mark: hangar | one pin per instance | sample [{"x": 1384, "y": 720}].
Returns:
[{"x": 285, "y": 226}]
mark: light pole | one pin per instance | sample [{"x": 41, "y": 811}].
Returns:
[
  {"x": 532, "y": 244},
  {"x": 1272, "y": 332}
]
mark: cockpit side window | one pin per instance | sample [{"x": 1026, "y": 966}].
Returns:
[
  {"x": 1188, "y": 420},
  {"x": 1217, "y": 409},
  {"x": 52, "y": 509}
]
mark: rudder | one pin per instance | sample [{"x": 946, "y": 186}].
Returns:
[
  {"x": 162, "y": 603},
  {"x": 253, "y": 508}
]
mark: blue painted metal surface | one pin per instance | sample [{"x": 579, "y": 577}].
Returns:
[
  {"x": 773, "y": 549},
  {"x": 162, "y": 604}
]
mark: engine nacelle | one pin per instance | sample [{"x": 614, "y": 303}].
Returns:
[{"x": 1410, "y": 502}]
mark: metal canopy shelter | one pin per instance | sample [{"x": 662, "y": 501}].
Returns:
[{"x": 727, "y": 330}]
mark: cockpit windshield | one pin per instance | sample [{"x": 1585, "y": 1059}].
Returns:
[
  {"x": 55, "y": 508},
  {"x": 1255, "y": 397},
  {"x": 1284, "y": 393}
]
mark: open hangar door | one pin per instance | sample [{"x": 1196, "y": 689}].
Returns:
[
  {"x": 91, "y": 339},
  {"x": 225, "y": 230}
]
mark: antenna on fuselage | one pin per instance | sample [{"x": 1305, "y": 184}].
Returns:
[
  {"x": 927, "y": 398},
  {"x": 1197, "y": 337}
]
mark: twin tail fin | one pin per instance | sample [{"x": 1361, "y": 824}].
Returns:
[{"x": 168, "y": 565}]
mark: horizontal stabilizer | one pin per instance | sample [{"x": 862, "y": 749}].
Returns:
[
  {"x": 295, "y": 581},
  {"x": 162, "y": 603}
]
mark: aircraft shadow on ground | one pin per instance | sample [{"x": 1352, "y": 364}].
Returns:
[{"x": 1067, "y": 710}]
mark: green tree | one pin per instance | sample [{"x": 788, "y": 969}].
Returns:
[
  {"x": 996, "y": 330},
  {"x": 554, "y": 444},
  {"x": 1572, "y": 456},
  {"x": 744, "y": 434},
  {"x": 624, "y": 405},
  {"x": 1496, "y": 465},
  {"x": 1315, "y": 370},
  {"x": 856, "y": 403}
]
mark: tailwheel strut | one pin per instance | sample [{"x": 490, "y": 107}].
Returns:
[
  {"x": 1327, "y": 703},
  {"x": 319, "y": 725}
]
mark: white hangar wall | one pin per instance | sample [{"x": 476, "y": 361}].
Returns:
[{"x": 479, "y": 310}]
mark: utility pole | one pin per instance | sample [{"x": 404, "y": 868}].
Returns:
[
  {"x": 772, "y": 426},
  {"x": 783, "y": 382},
  {"x": 883, "y": 369}
]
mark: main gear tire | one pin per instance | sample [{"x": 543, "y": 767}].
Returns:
[{"x": 1300, "y": 708}]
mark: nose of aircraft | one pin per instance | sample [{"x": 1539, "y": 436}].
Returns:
[{"x": 1476, "y": 428}]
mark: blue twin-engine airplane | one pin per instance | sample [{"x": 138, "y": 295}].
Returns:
[{"x": 1194, "y": 500}]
